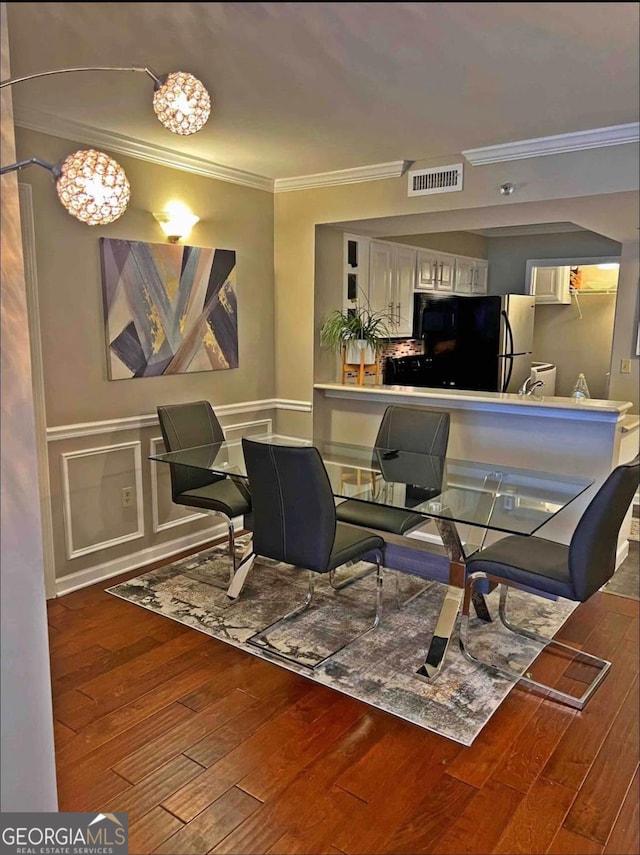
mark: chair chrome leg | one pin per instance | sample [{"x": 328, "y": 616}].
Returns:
[
  {"x": 338, "y": 586},
  {"x": 555, "y": 694},
  {"x": 259, "y": 641}
]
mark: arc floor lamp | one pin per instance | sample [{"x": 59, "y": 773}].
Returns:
[{"x": 92, "y": 186}]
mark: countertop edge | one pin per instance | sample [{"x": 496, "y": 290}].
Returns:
[{"x": 560, "y": 408}]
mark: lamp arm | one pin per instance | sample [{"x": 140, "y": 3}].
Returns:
[
  {"x": 11, "y": 80},
  {"x": 32, "y": 161}
]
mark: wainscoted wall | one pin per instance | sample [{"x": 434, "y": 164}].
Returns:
[{"x": 90, "y": 464}]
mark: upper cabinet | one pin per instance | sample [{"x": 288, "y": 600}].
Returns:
[
  {"x": 392, "y": 276},
  {"x": 443, "y": 272},
  {"x": 435, "y": 271},
  {"x": 551, "y": 284},
  {"x": 471, "y": 275}
]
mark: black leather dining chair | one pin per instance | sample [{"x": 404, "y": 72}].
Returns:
[
  {"x": 294, "y": 521},
  {"x": 575, "y": 572},
  {"x": 404, "y": 429},
  {"x": 187, "y": 426}
]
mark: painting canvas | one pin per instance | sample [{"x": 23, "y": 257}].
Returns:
[{"x": 169, "y": 309}]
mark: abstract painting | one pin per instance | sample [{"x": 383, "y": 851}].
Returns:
[{"x": 169, "y": 309}]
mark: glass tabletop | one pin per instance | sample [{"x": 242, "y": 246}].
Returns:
[{"x": 496, "y": 497}]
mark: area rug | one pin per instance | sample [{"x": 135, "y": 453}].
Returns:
[{"x": 379, "y": 668}]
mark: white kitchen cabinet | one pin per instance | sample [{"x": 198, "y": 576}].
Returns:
[
  {"x": 435, "y": 271},
  {"x": 392, "y": 276},
  {"x": 551, "y": 284},
  {"x": 470, "y": 275}
]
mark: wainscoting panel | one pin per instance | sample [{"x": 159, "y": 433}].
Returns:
[{"x": 94, "y": 484}]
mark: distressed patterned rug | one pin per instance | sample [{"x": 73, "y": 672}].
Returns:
[{"x": 377, "y": 669}]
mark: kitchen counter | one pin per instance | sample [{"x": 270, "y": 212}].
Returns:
[
  {"x": 553, "y": 434},
  {"x": 590, "y": 409}
]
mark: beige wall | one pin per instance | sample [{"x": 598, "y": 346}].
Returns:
[
  {"x": 577, "y": 344},
  {"x": 589, "y": 188},
  {"x": 457, "y": 243},
  {"x": 70, "y": 296},
  {"x": 87, "y": 471}
]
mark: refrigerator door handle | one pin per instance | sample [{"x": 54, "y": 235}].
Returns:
[
  {"x": 509, "y": 333},
  {"x": 507, "y": 379}
]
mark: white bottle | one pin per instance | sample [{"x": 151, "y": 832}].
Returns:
[{"x": 580, "y": 390}]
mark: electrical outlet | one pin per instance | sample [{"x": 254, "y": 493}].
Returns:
[
  {"x": 127, "y": 497},
  {"x": 625, "y": 366}
]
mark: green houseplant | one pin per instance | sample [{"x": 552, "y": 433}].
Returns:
[{"x": 356, "y": 327}]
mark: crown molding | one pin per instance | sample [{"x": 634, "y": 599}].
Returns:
[
  {"x": 373, "y": 172},
  {"x": 36, "y": 120},
  {"x": 577, "y": 141}
]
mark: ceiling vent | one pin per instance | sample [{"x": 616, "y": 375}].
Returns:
[{"x": 441, "y": 179}]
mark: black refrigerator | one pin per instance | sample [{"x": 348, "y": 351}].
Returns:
[{"x": 476, "y": 343}]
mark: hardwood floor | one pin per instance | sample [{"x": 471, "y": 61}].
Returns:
[{"x": 210, "y": 749}]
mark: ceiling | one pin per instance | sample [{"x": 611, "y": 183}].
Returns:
[{"x": 302, "y": 88}]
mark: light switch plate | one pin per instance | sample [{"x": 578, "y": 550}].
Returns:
[{"x": 625, "y": 366}]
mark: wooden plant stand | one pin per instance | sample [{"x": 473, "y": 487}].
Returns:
[{"x": 359, "y": 367}]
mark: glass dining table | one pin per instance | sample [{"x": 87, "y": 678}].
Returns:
[{"x": 466, "y": 499}]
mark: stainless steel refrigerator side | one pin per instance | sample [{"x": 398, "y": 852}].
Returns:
[{"x": 520, "y": 311}]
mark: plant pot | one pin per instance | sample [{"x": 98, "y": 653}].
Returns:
[{"x": 354, "y": 350}]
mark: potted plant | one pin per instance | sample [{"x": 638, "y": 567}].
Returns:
[{"x": 356, "y": 328}]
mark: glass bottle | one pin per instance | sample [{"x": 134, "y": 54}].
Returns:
[{"x": 580, "y": 389}]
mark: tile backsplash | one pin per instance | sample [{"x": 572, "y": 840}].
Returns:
[{"x": 395, "y": 347}]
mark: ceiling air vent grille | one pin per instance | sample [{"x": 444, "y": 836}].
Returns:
[{"x": 441, "y": 179}]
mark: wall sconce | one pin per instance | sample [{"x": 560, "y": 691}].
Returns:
[
  {"x": 91, "y": 185},
  {"x": 176, "y": 222}
]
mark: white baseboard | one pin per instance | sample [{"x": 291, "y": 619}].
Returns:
[{"x": 100, "y": 572}]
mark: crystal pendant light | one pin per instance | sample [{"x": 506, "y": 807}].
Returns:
[
  {"x": 182, "y": 103},
  {"x": 93, "y": 187}
]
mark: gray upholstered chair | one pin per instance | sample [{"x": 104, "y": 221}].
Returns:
[
  {"x": 404, "y": 429},
  {"x": 187, "y": 426},
  {"x": 574, "y": 572},
  {"x": 294, "y": 521}
]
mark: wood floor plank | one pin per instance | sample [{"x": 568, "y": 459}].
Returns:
[
  {"x": 528, "y": 754},
  {"x": 112, "y": 682},
  {"x": 110, "y": 659},
  {"x": 536, "y": 819},
  {"x": 596, "y": 807},
  {"x": 63, "y": 665},
  {"x": 121, "y": 719},
  {"x": 625, "y": 835},
  {"x": 567, "y": 843},
  {"x": 94, "y": 793},
  {"x": 156, "y": 752},
  {"x": 214, "y": 747},
  {"x": 140, "y": 798},
  {"x": 478, "y": 828},
  {"x": 572, "y": 758},
  {"x": 62, "y": 734},
  {"x": 151, "y": 831},
  {"x": 428, "y": 820},
  {"x": 310, "y": 797},
  {"x": 75, "y": 778},
  {"x": 306, "y": 744},
  {"x": 212, "y": 825},
  {"x": 251, "y": 736},
  {"x": 173, "y": 673}
]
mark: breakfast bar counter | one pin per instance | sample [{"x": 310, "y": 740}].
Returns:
[{"x": 587, "y": 437}]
